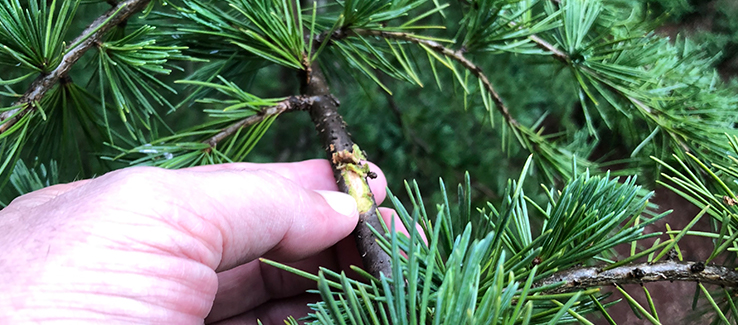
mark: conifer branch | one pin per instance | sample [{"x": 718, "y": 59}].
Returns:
[
  {"x": 349, "y": 169},
  {"x": 583, "y": 278},
  {"x": 565, "y": 58},
  {"x": 457, "y": 56},
  {"x": 293, "y": 103},
  {"x": 86, "y": 40}
]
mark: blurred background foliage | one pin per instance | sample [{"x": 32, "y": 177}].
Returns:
[{"x": 421, "y": 133}]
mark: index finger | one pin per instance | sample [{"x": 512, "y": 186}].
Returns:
[{"x": 315, "y": 174}]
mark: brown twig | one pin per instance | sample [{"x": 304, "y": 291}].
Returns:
[
  {"x": 457, "y": 56},
  {"x": 345, "y": 160},
  {"x": 293, "y": 103},
  {"x": 555, "y": 51},
  {"x": 88, "y": 38},
  {"x": 583, "y": 278}
]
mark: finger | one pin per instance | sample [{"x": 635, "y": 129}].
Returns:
[
  {"x": 254, "y": 284},
  {"x": 388, "y": 215},
  {"x": 225, "y": 218},
  {"x": 248, "y": 286},
  {"x": 260, "y": 213},
  {"x": 315, "y": 174},
  {"x": 274, "y": 312}
]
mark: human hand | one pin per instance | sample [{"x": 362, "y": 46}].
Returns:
[{"x": 148, "y": 245}]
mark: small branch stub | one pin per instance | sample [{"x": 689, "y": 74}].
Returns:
[{"x": 293, "y": 103}]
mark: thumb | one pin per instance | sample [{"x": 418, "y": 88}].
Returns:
[{"x": 260, "y": 213}]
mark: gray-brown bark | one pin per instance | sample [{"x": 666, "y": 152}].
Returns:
[
  {"x": 333, "y": 135},
  {"x": 583, "y": 278}
]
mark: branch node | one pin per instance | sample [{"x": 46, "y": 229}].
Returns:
[
  {"x": 697, "y": 267},
  {"x": 637, "y": 273}
]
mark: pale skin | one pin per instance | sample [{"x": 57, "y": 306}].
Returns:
[{"x": 153, "y": 246}]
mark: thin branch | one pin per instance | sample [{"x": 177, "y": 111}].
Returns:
[
  {"x": 88, "y": 38},
  {"x": 557, "y": 53},
  {"x": 349, "y": 169},
  {"x": 293, "y": 103},
  {"x": 457, "y": 56},
  {"x": 583, "y": 278}
]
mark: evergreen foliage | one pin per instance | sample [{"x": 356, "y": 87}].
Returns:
[{"x": 565, "y": 88}]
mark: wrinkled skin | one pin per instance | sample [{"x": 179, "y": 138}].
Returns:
[{"x": 152, "y": 246}]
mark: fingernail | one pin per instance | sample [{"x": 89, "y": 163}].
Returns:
[{"x": 341, "y": 202}]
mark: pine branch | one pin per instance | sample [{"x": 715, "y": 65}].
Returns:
[
  {"x": 583, "y": 278},
  {"x": 86, "y": 40},
  {"x": 528, "y": 138},
  {"x": 293, "y": 103},
  {"x": 457, "y": 56},
  {"x": 563, "y": 57},
  {"x": 349, "y": 169}
]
